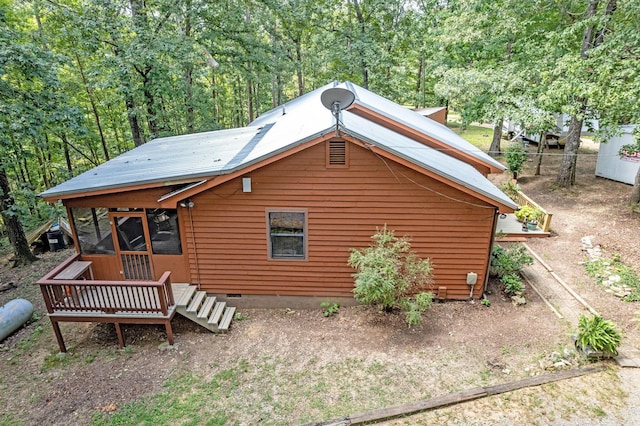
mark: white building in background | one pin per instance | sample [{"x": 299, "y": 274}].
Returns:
[{"x": 611, "y": 165}]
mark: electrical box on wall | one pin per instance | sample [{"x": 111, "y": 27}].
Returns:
[
  {"x": 472, "y": 278},
  {"x": 246, "y": 184}
]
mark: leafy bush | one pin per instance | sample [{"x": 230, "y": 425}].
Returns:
[
  {"x": 532, "y": 213},
  {"x": 512, "y": 283},
  {"x": 391, "y": 275},
  {"x": 511, "y": 189},
  {"x": 599, "y": 334},
  {"x": 416, "y": 306},
  {"x": 510, "y": 260},
  {"x": 515, "y": 155}
]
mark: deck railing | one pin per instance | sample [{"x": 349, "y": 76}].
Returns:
[
  {"x": 145, "y": 297},
  {"x": 107, "y": 301},
  {"x": 523, "y": 200},
  {"x": 109, "y": 297}
]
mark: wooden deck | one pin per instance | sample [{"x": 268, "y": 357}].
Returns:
[
  {"x": 508, "y": 228},
  {"x": 117, "y": 302}
]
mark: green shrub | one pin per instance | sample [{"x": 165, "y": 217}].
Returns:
[
  {"x": 599, "y": 334},
  {"x": 329, "y": 308},
  {"x": 389, "y": 274},
  {"x": 416, "y": 306},
  {"x": 515, "y": 155},
  {"x": 512, "y": 283},
  {"x": 512, "y": 189},
  {"x": 510, "y": 260}
]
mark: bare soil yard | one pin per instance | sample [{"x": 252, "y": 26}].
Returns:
[{"x": 293, "y": 366}]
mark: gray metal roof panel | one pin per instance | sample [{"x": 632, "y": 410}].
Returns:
[
  {"x": 418, "y": 122},
  {"x": 164, "y": 159}
]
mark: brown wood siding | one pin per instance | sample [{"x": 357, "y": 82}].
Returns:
[{"x": 345, "y": 206}]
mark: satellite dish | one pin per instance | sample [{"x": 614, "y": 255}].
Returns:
[{"x": 336, "y": 99}]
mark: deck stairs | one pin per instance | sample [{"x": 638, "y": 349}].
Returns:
[{"x": 202, "y": 308}]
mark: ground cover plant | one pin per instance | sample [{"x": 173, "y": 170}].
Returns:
[{"x": 614, "y": 270}]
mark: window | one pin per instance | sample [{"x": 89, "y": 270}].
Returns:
[
  {"x": 93, "y": 230},
  {"x": 163, "y": 229},
  {"x": 287, "y": 234},
  {"x": 337, "y": 154}
]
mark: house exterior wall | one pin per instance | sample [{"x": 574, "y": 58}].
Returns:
[
  {"x": 226, "y": 230},
  {"x": 439, "y": 115}
]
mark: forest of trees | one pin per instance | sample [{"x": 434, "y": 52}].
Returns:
[{"x": 81, "y": 81}]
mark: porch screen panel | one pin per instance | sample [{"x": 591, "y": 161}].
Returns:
[
  {"x": 164, "y": 232},
  {"x": 93, "y": 230}
]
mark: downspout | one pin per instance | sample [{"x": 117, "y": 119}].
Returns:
[
  {"x": 188, "y": 204},
  {"x": 496, "y": 215}
]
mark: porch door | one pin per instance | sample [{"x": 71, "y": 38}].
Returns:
[{"x": 132, "y": 245}]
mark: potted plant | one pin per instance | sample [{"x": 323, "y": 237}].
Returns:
[
  {"x": 530, "y": 213},
  {"x": 597, "y": 337},
  {"x": 532, "y": 225}
]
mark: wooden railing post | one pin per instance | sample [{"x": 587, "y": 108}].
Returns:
[{"x": 523, "y": 200}]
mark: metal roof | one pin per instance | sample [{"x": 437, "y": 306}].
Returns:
[
  {"x": 418, "y": 122},
  {"x": 193, "y": 157}
]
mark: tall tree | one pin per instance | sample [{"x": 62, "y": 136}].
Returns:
[{"x": 592, "y": 37}]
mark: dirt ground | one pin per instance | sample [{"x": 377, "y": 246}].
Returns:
[{"x": 460, "y": 346}]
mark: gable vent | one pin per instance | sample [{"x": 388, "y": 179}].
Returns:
[{"x": 337, "y": 153}]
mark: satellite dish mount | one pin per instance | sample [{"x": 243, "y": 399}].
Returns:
[{"x": 335, "y": 100}]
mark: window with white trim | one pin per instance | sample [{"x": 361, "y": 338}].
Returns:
[{"x": 287, "y": 231}]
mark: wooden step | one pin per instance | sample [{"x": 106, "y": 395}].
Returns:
[
  {"x": 206, "y": 307},
  {"x": 186, "y": 296},
  {"x": 225, "y": 322},
  {"x": 194, "y": 306},
  {"x": 217, "y": 313}
]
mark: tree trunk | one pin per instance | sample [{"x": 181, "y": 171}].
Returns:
[
  {"x": 299, "y": 68},
  {"x": 363, "y": 60},
  {"x": 188, "y": 73},
  {"x": 420, "y": 83},
  {"x": 134, "y": 124},
  {"x": 250, "y": 98},
  {"x": 567, "y": 174},
  {"x": 541, "y": 144},
  {"x": 67, "y": 154},
  {"x": 94, "y": 108},
  {"x": 152, "y": 108},
  {"x": 22, "y": 252},
  {"x": 494, "y": 149}
]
